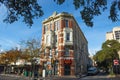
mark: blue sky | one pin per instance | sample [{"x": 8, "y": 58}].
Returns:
[{"x": 12, "y": 34}]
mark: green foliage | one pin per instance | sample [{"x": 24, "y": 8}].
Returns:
[
  {"x": 91, "y": 8},
  {"x": 30, "y": 9},
  {"x": 113, "y": 44},
  {"x": 27, "y": 9},
  {"x": 113, "y": 10},
  {"x": 108, "y": 53}
]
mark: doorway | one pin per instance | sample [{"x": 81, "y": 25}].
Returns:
[{"x": 66, "y": 69}]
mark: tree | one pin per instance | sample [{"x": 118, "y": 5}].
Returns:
[
  {"x": 30, "y": 9},
  {"x": 10, "y": 56},
  {"x": 113, "y": 44},
  {"x": 32, "y": 47},
  {"x": 108, "y": 53},
  {"x": 27, "y": 9},
  {"x": 25, "y": 55}
]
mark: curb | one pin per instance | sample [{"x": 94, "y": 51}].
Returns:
[{"x": 110, "y": 76}]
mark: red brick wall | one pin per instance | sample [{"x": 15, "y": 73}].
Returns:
[
  {"x": 60, "y": 53},
  {"x": 61, "y": 47},
  {"x": 60, "y": 40},
  {"x": 62, "y": 24},
  {"x": 70, "y": 24}
]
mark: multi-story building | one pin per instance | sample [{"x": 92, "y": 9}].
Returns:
[
  {"x": 64, "y": 46},
  {"x": 114, "y": 34}
]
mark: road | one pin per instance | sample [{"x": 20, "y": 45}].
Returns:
[
  {"x": 95, "y": 77},
  {"x": 12, "y": 77}
]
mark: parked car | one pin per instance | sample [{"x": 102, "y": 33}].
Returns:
[{"x": 92, "y": 71}]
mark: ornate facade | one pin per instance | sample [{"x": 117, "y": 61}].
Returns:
[{"x": 64, "y": 47}]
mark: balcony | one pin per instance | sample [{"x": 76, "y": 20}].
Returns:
[
  {"x": 48, "y": 45},
  {"x": 49, "y": 38}
]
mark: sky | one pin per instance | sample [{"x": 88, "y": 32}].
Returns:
[{"x": 12, "y": 34}]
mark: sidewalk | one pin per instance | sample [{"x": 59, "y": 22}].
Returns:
[
  {"x": 41, "y": 78},
  {"x": 114, "y": 75},
  {"x": 15, "y": 75}
]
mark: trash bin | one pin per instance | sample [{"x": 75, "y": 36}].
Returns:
[
  {"x": 30, "y": 73},
  {"x": 25, "y": 73}
]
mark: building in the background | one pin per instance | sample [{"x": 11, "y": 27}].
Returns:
[
  {"x": 64, "y": 48},
  {"x": 92, "y": 62},
  {"x": 114, "y": 34}
]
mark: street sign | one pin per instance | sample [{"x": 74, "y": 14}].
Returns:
[{"x": 116, "y": 62}]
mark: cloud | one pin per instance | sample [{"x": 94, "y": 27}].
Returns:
[{"x": 8, "y": 44}]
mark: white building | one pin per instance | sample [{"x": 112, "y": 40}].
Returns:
[{"x": 114, "y": 34}]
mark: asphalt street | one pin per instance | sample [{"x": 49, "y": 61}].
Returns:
[{"x": 100, "y": 76}]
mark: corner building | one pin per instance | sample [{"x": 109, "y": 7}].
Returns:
[{"x": 64, "y": 46}]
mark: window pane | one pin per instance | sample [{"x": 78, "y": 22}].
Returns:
[
  {"x": 46, "y": 28},
  {"x": 68, "y": 37},
  {"x": 66, "y": 23},
  {"x": 66, "y": 51},
  {"x": 58, "y": 24},
  {"x": 50, "y": 26},
  {"x": 55, "y": 25},
  {"x": 56, "y": 38},
  {"x": 47, "y": 39}
]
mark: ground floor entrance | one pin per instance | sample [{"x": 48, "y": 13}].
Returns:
[{"x": 66, "y": 69}]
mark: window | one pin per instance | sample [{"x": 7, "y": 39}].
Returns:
[
  {"x": 66, "y": 52},
  {"x": 45, "y": 28},
  {"x": 47, "y": 39},
  {"x": 57, "y": 25},
  {"x": 67, "y": 36},
  {"x": 66, "y": 23},
  {"x": 50, "y": 26},
  {"x": 55, "y": 38},
  {"x": 117, "y": 35}
]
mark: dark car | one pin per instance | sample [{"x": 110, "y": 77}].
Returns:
[{"x": 92, "y": 71}]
